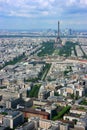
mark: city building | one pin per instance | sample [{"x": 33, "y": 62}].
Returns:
[
  {"x": 64, "y": 126},
  {"x": 13, "y": 119},
  {"x": 43, "y": 93},
  {"x": 27, "y": 126},
  {"x": 29, "y": 112},
  {"x": 12, "y": 103}
]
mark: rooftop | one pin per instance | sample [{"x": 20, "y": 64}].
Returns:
[{"x": 29, "y": 110}]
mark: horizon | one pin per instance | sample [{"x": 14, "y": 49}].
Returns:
[{"x": 40, "y": 30}]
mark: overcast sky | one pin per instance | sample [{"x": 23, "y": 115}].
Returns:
[{"x": 43, "y": 14}]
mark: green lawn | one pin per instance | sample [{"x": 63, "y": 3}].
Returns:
[
  {"x": 61, "y": 113},
  {"x": 84, "y": 102},
  {"x": 14, "y": 61},
  {"x": 34, "y": 91},
  {"x": 46, "y": 69},
  {"x": 67, "y": 49},
  {"x": 47, "y": 48}
]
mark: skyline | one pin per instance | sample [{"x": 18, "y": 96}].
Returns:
[{"x": 40, "y": 14}]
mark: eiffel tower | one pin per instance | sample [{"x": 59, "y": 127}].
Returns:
[{"x": 58, "y": 41}]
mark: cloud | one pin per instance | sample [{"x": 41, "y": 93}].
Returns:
[
  {"x": 46, "y": 10},
  {"x": 71, "y": 2},
  {"x": 79, "y": 3},
  {"x": 83, "y": 2},
  {"x": 41, "y": 7}
]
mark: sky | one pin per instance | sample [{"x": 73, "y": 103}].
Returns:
[{"x": 43, "y": 14}]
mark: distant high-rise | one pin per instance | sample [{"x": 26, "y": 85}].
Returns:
[{"x": 58, "y": 41}]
